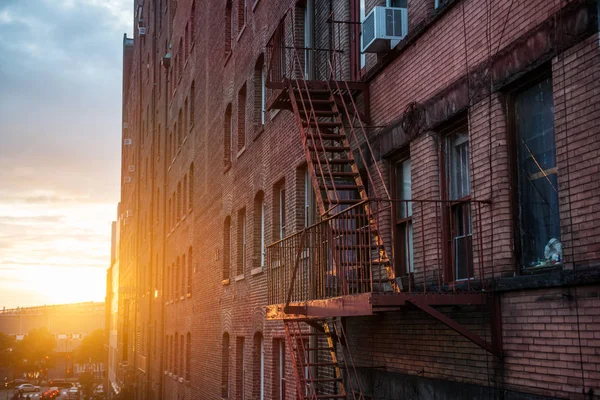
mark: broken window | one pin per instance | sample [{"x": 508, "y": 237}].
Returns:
[{"x": 538, "y": 212}]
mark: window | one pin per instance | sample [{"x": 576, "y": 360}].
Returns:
[
  {"x": 176, "y": 280},
  {"x": 259, "y": 231},
  {"x": 310, "y": 205},
  {"x": 187, "y": 40},
  {"x": 403, "y": 242},
  {"x": 185, "y": 118},
  {"x": 228, "y": 135},
  {"x": 192, "y": 102},
  {"x": 179, "y": 129},
  {"x": 537, "y": 177},
  {"x": 240, "y": 370},
  {"x": 228, "y": 27},
  {"x": 185, "y": 194},
  {"x": 225, "y": 367},
  {"x": 181, "y": 361},
  {"x": 191, "y": 191},
  {"x": 188, "y": 357},
  {"x": 279, "y": 210},
  {"x": 176, "y": 353},
  {"x": 259, "y": 91},
  {"x": 241, "y": 242},
  {"x": 241, "y": 118},
  {"x": 183, "y": 278},
  {"x": 459, "y": 190},
  {"x": 226, "y": 247},
  {"x": 242, "y": 14},
  {"x": 259, "y": 367},
  {"x": 189, "y": 272},
  {"x": 168, "y": 283},
  {"x": 180, "y": 60},
  {"x": 178, "y": 201},
  {"x": 279, "y": 369}
]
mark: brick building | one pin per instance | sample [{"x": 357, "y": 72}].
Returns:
[{"x": 301, "y": 218}]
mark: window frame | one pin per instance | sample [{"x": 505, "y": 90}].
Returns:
[
  {"x": 510, "y": 101},
  {"x": 452, "y": 207},
  {"x": 402, "y": 267}
]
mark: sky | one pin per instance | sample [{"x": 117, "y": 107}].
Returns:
[{"x": 60, "y": 148}]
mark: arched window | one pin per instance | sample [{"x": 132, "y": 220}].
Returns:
[
  {"x": 193, "y": 23},
  {"x": 192, "y": 102},
  {"x": 183, "y": 277},
  {"x": 185, "y": 118},
  {"x": 258, "y": 367},
  {"x": 188, "y": 357},
  {"x": 180, "y": 57},
  {"x": 178, "y": 200},
  {"x": 189, "y": 272},
  {"x": 241, "y": 120},
  {"x": 258, "y": 243},
  {"x": 225, "y": 367},
  {"x": 259, "y": 92},
  {"x": 181, "y": 360},
  {"x": 180, "y": 129},
  {"x": 241, "y": 242},
  {"x": 176, "y": 281},
  {"x": 228, "y": 135},
  {"x": 176, "y": 353},
  {"x": 185, "y": 195},
  {"x": 228, "y": 27},
  {"x": 191, "y": 191},
  {"x": 226, "y": 247}
]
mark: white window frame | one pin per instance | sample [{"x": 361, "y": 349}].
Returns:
[{"x": 262, "y": 233}]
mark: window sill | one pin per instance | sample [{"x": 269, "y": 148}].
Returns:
[
  {"x": 227, "y": 167},
  {"x": 188, "y": 296},
  {"x": 182, "y": 298},
  {"x": 239, "y": 153},
  {"x": 240, "y": 277},
  {"x": 541, "y": 269},
  {"x": 225, "y": 282},
  {"x": 241, "y": 33},
  {"x": 191, "y": 125},
  {"x": 181, "y": 380},
  {"x": 255, "y": 5},
  {"x": 257, "y": 271}
]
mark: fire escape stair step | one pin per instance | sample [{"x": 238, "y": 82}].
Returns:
[
  {"x": 336, "y": 161},
  {"x": 341, "y": 187},
  {"x": 329, "y": 149},
  {"x": 343, "y": 202},
  {"x": 319, "y": 113},
  {"x": 326, "y": 136},
  {"x": 322, "y": 124},
  {"x": 327, "y": 396},
  {"x": 322, "y": 364},
  {"x": 319, "y": 348}
]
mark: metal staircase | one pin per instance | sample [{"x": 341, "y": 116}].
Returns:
[{"x": 323, "y": 368}]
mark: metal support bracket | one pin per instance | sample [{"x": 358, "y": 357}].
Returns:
[{"x": 494, "y": 348}]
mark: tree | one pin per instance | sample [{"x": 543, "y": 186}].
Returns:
[
  {"x": 7, "y": 346},
  {"x": 36, "y": 351},
  {"x": 91, "y": 348},
  {"x": 88, "y": 383}
]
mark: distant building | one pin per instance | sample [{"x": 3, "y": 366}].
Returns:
[
  {"x": 69, "y": 323},
  {"x": 371, "y": 199}
]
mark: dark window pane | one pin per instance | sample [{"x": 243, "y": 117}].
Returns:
[{"x": 537, "y": 177}]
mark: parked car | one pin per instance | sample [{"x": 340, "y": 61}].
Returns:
[
  {"x": 73, "y": 394},
  {"x": 60, "y": 383},
  {"x": 15, "y": 383},
  {"x": 27, "y": 387}
]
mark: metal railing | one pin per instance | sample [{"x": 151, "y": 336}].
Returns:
[{"x": 435, "y": 246}]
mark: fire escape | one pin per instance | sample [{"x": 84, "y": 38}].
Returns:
[{"x": 343, "y": 266}]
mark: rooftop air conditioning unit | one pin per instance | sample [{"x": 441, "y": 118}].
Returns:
[
  {"x": 127, "y": 142},
  {"x": 382, "y": 25},
  {"x": 142, "y": 30},
  {"x": 132, "y": 168},
  {"x": 127, "y": 179}
]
